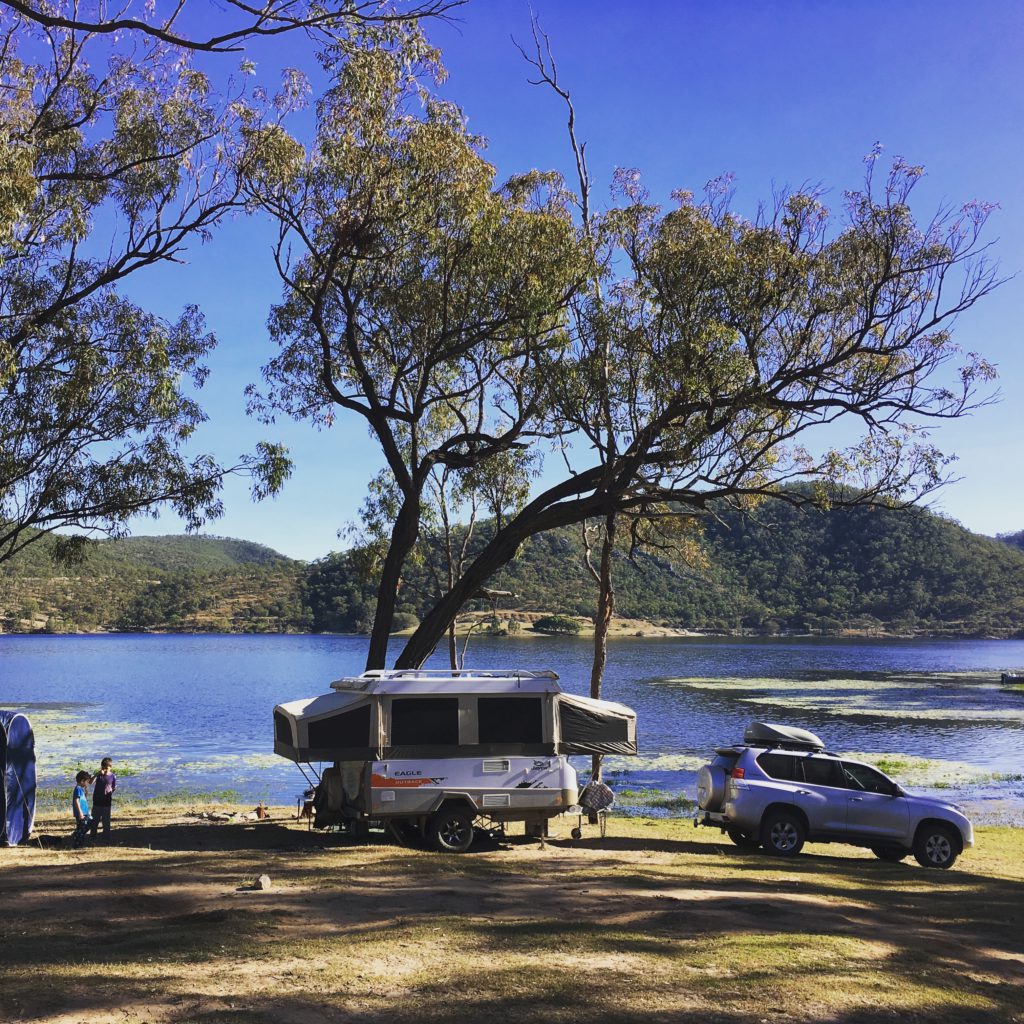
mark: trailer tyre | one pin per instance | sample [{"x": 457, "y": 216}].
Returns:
[{"x": 450, "y": 830}]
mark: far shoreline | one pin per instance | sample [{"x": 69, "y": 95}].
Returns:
[{"x": 480, "y": 625}]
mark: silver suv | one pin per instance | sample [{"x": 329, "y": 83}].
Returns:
[{"x": 780, "y": 788}]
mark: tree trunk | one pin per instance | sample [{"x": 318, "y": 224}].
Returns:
[
  {"x": 453, "y": 648},
  {"x": 603, "y": 619},
  {"x": 498, "y": 552},
  {"x": 403, "y": 539}
]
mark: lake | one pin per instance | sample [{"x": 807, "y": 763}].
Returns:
[{"x": 192, "y": 713}]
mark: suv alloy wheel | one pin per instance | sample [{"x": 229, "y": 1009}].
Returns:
[
  {"x": 783, "y": 833},
  {"x": 935, "y": 847}
]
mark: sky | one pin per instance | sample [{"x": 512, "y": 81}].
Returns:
[{"x": 775, "y": 93}]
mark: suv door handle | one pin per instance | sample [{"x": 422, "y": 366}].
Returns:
[
  {"x": 803, "y": 792},
  {"x": 856, "y": 799}
]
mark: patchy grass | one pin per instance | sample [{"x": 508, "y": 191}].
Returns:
[
  {"x": 893, "y": 764},
  {"x": 657, "y": 922},
  {"x": 51, "y": 801},
  {"x": 653, "y": 799},
  {"x": 123, "y": 770}
]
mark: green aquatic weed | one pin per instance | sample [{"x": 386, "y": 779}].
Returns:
[{"x": 653, "y": 798}]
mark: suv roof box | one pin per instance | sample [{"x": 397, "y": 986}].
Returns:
[{"x": 770, "y": 735}]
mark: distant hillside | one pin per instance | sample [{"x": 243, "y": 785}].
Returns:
[
  {"x": 1013, "y": 539},
  {"x": 178, "y": 554},
  {"x": 145, "y": 555},
  {"x": 779, "y": 569},
  {"x": 185, "y": 583}
]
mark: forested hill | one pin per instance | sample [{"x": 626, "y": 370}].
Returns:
[
  {"x": 779, "y": 570},
  {"x": 1013, "y": 539},
  {"x": 145, "y": 555},
  {"x": 168, "y": 583},
  {"x": 782, "y": 569}
]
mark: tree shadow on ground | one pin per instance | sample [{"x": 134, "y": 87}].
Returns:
[
  {"x": 203, "y": 837},
  {"x": 356, "y": 933}
]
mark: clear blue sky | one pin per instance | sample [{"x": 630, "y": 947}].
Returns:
[{"x": 781, "y": 93}]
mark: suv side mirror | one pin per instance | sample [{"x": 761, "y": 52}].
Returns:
[{"x": 897, "y": 790}]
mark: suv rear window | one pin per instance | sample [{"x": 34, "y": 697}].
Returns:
[
  {"x": 819, "y": 771},
  {"x": 780, "y": 766}
]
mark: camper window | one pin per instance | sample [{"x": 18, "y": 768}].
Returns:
[
  {"x": 283, "y": 729},
  {"x": 586, "y": 730},
  {"x": 510, "y": 720},
  {"x": 348, "y": 729},
  {"x": 425, "y": 721}
]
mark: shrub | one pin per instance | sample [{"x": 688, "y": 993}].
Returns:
[
  {"x": 556, "y": 624},
  {"x": 403, "y": 620}
]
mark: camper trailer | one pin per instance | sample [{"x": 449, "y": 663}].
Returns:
[{"x": 439, "y": 752}]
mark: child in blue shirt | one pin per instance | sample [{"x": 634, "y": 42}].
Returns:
[{"x": 80, "y": 808}]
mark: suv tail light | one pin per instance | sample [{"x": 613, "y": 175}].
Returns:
[{"x": 738, "y": 773}]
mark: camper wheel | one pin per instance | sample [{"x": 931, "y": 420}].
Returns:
[{"x": 450, "y": 830}]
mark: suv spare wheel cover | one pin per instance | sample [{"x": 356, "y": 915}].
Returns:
[{"x": 710, "y": 787}]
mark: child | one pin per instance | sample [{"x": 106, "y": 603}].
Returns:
[
  {"x": 80, "y": 807},
  {"x": 103, "y": 797}
]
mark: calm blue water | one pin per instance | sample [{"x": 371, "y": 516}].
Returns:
[{"x": 194, "y": 712}]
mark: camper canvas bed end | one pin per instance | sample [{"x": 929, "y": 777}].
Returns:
[{"x": 436, "y": 751}]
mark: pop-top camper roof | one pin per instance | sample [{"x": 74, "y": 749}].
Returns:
[
  {"x": 429, "y": 680},
  {"x": 434, "y": 713}
]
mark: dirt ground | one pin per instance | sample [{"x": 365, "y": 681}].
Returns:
[{"x": 657, "y": 922}]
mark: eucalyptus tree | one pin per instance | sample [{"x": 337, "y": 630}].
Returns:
[
  {"x": 458, "y": 499},
  {"x": 116, "y": 153},
  {"x": 418, "y": 294},
  {"x": 730, "y": 341},
  {"x": 589, "y": 320},
  {"x": 235, "y": 24},
  {"x": 109, "y": 167},
  {"x": 592, "y": 357}
]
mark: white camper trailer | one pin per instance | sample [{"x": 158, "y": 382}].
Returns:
[{"x": 436, "y": 751}]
